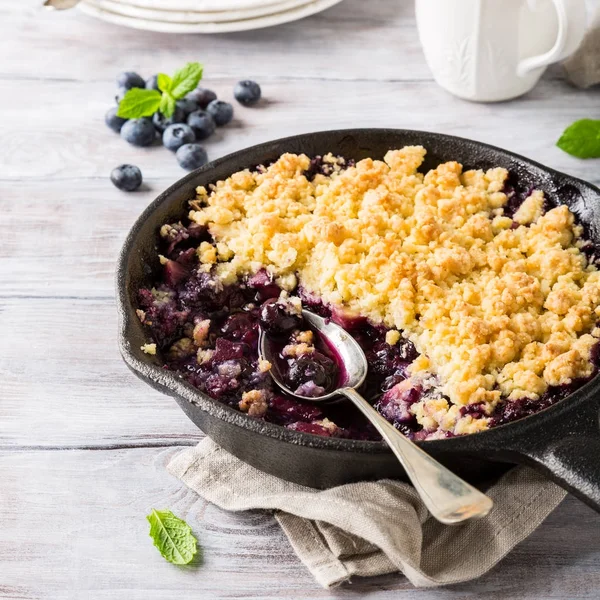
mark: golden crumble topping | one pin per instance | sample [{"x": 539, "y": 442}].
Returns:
[{"x": 496, "y": 306}]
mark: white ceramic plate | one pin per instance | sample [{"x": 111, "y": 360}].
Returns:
[
  {"x": 134, "y": 9},
  {"x": 203, "y": 5},
  {"x": 95, "y": 9}
]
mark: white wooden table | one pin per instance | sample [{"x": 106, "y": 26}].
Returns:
[{"x": 83, "y": 443}]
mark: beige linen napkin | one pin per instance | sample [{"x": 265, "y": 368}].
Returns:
[
  {"x": 583, "y": 67},
  {"x": 373, "y": 528}
]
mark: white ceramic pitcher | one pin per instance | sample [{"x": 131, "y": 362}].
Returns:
[{"x": 491, "y": 50}]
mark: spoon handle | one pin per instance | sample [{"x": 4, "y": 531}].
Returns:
[{"x": 448, "y": 498}]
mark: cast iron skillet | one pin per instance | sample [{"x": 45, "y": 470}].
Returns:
[{"x": 562, "y": 441}]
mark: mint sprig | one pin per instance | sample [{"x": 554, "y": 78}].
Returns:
[
  {"x": 139, "y": 102},
  {"x": 167, "y": 105},
  {"x": 172, "y": 536},
  {"x": 186, "y": 79},
  {"x": 164, "y": 82},
  {"x": 581, "y": 139}
]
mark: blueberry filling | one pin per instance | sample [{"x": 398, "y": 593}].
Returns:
[{"x": 208, "y": 333}]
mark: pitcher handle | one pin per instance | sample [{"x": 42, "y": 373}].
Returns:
[{"x": 572, "y": 17}]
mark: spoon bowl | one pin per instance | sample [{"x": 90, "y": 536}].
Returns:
[
  {"x": 449, "y": 498},
  {"x": 349, "y": 354}
]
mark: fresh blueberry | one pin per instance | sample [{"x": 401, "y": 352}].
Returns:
[
  {"x": 114, "y": 122},
  {"x": 129, "y": 80},
  {"x": 161, "y": 122},
  {"x": 139, "y": 132},
  {"x": 186, "y": 105},
  {"x": 191, "y": 156},
  {"x": 221, "y": 112},
  {"x": 152, "y": 83},
  {"x": 202, "y": 124},
  {"x": 247, "y": 92},
  {"x": 126, "y": 177},
  {"x": 177, "y": 135},
  {"x": 202, "y": 97}
]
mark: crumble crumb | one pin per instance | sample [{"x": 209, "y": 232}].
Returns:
[
  {"x": 304, "y": 336},
  {"x": 224, "y": 252},
  {"x": 170, "y": 231},
  {"x": 207, "y": 253},
  {"x": 296, "y": 350},
  {"x": 264, "y": 365},
  {"x": 200, "y": 333},
  {"x": 392, "y": 337},
  {"x": 149, "y": 349},
  {"x": 330, "y": 426},
  {"x": 181, "y": 349},
  {"x": 295, "y": 305},
  {"x": 531, "y": 209},
  {"x": 254, "y": 403},
  {"x": 203, "y": 356},
  {"x": 287, "y": 282}
]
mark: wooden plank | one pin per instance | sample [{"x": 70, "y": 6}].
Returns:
[
  {"x": 75, "y": 144},
  {"x": 354, "y": 40},
  {"x": 63, "y": 383},
  {"x": 73, "y": 526}
]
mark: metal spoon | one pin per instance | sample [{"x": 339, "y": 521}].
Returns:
[
  {"x": 449, "y": 498},
  {"x": 61, "y": 4}
]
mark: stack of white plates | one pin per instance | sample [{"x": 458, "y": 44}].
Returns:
[{"x": 202, "y": 16}]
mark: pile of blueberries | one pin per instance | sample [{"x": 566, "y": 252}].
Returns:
[{"x": 196, "y": 118}]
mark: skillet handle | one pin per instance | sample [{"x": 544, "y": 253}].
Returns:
[
  {"x": 574, "y": 463},
  {"x": 572, "y": 458}
]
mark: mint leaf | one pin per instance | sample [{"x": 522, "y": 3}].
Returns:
[
  {"x": 167, "y": 105},
  {"x": 186, "y": 79},
  {"x": 581, "y": 139},
  {"x": 139, "y": 102},
  {"x": 164, "y": 82},
  {"x": 172, "y": 536}
]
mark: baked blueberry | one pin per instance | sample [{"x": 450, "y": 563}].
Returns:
[
  {"x": 191, "y": 156},
  {"x": 177, "y": 135},
  {"x": 312, "y": 367},
  {"x": 202, "y": 124},
  {"x": 139, "y": 132},
  {"x": 129, "y": 79},
  {"x": 247, "y": 92},
  {"x": 221, "y": 112},
  {"x": 202, "y": 96},
  {"x": 278, "y": 318},
  {"x": 161, "y": 122},
  {"x": 126, "y": 177},
  {"x": 112, "y": 121}
]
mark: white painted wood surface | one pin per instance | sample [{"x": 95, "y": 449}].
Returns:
[{"x": 83, "y": 443}]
